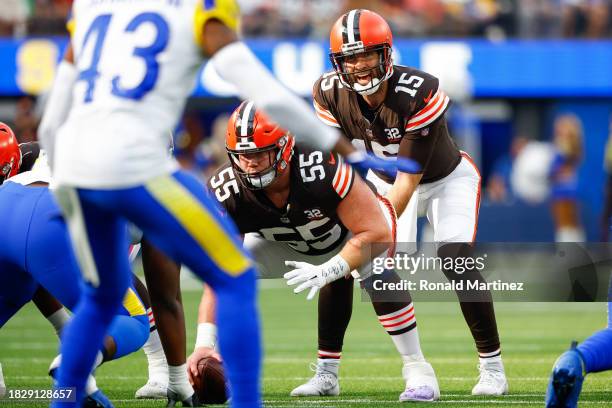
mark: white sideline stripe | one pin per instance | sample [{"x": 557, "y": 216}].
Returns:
[
  {"x": 31, "y": 346},
  {"x": 349, "y": 359}
]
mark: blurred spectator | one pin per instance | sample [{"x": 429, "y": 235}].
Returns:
[
  {"x": 26, "y": 119},
  {"x": 493, "y": 19},
  {"x": 529, "y": 179},
  {"x": 539, "y": 19},
  {"x": 567, "y": 140},
  {"x": 499, "y": 188},
  {"x": 586, "y": 18},
  {"x": 49, "y": 17},
  {"x": 14, "y": 17}
]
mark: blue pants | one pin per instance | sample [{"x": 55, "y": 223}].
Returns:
[
  {"x": 177, "y": 215},
  {"x": 35, "y": 250}
]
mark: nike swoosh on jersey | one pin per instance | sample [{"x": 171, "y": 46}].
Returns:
[
  {"x": 426, "y": 100},
  {"x": 332, "y": 159}
]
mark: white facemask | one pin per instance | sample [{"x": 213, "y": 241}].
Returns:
[{"x": 263, "y": 180}]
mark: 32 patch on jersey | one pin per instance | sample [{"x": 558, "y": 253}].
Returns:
[{"x": 314, "y": 214}]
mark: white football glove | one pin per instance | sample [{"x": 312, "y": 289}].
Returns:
[{"x": 306, "y": 275}]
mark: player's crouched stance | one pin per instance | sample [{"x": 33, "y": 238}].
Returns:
[
  {"x": 305, "y": 209},
  {"x": 36, "y": 261}
]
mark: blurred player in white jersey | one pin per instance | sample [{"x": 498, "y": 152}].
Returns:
[{"x": 126, "y": 75}]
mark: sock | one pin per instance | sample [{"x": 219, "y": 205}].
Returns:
[
  {"x": 476, "y": 306},
  {"x": 178, "y": 381},
  {"x": 241, "y": 359},
  {"x": 91, "y": 386},
  {"x": 334, "y": 314},
  {"x": 99, "y": 360},
  {"x": 129, "y": 334},
  {"x": 491, "y": 356},
  {"x": 396, "y": 314},
  {"x": 401, "y": 326},
  {"x": 492, "y": 361},
  {"x": 329, "y": 355},
  {"x": 152, "y": 326},
  {"x": 59, "y": 319},
  {"x": 596, "y": 351},
  {"x": 331, "y": 365},
  {"x": 158, "y": 367}
]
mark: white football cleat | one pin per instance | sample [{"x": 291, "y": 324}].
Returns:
[
  {"x": 421, "y": 382},
  {"x": 324, "y": 382},
  {"x": 2, "y": 385},
  {"x": 153, "y": 389},
  {"x": 492, "y": 379}
]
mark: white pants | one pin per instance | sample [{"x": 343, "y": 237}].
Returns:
[
  {"x": 451, "y": 205},
  {"x": 270, "y": 256}
]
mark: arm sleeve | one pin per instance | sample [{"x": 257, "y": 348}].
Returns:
[
  {"x": 236, "y": 64},
  {"x": 29, "y": 154}
]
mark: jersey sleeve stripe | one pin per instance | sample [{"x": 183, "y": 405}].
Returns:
[
  {"x": 324, "y": 115},
  {"x": 433, "y": 113},
  {"x": 338, "y": 174},
  {"x": 347, "y": 183},
  {"x": 432, "y": 105},
  {"x": 327, "y": 121},
  {"x": 323, "y": 111},
  {"x": 343, "y": 178},
  {"x": 327, "y": 116}
]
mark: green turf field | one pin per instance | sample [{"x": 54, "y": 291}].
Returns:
[{"x": 532, "y": 337}]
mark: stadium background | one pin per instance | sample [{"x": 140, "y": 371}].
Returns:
[{"x": 512, "y": 68}]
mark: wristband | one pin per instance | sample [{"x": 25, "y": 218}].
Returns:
[{"x": 206, "y": 335}]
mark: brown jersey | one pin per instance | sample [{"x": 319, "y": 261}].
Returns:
[
  {"x": 410, "y": 122},
  {"x": 309, "y": 223}
]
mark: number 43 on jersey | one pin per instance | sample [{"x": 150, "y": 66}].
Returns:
[{"x": 96, "y": 34}]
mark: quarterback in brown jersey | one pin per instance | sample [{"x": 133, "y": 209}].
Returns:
[
  {"x": 396, "y": 111},
  {"x": 304, "y": 206}
]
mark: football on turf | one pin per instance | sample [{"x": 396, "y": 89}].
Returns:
[{"x": 210, "y": 384}]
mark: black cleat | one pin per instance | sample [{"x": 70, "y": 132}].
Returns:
[{"x": 173, "y": 399}]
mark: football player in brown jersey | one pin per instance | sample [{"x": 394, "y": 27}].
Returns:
[
  {"x": 305, "y": 206},
  {"x": 396, "y": 111}
]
